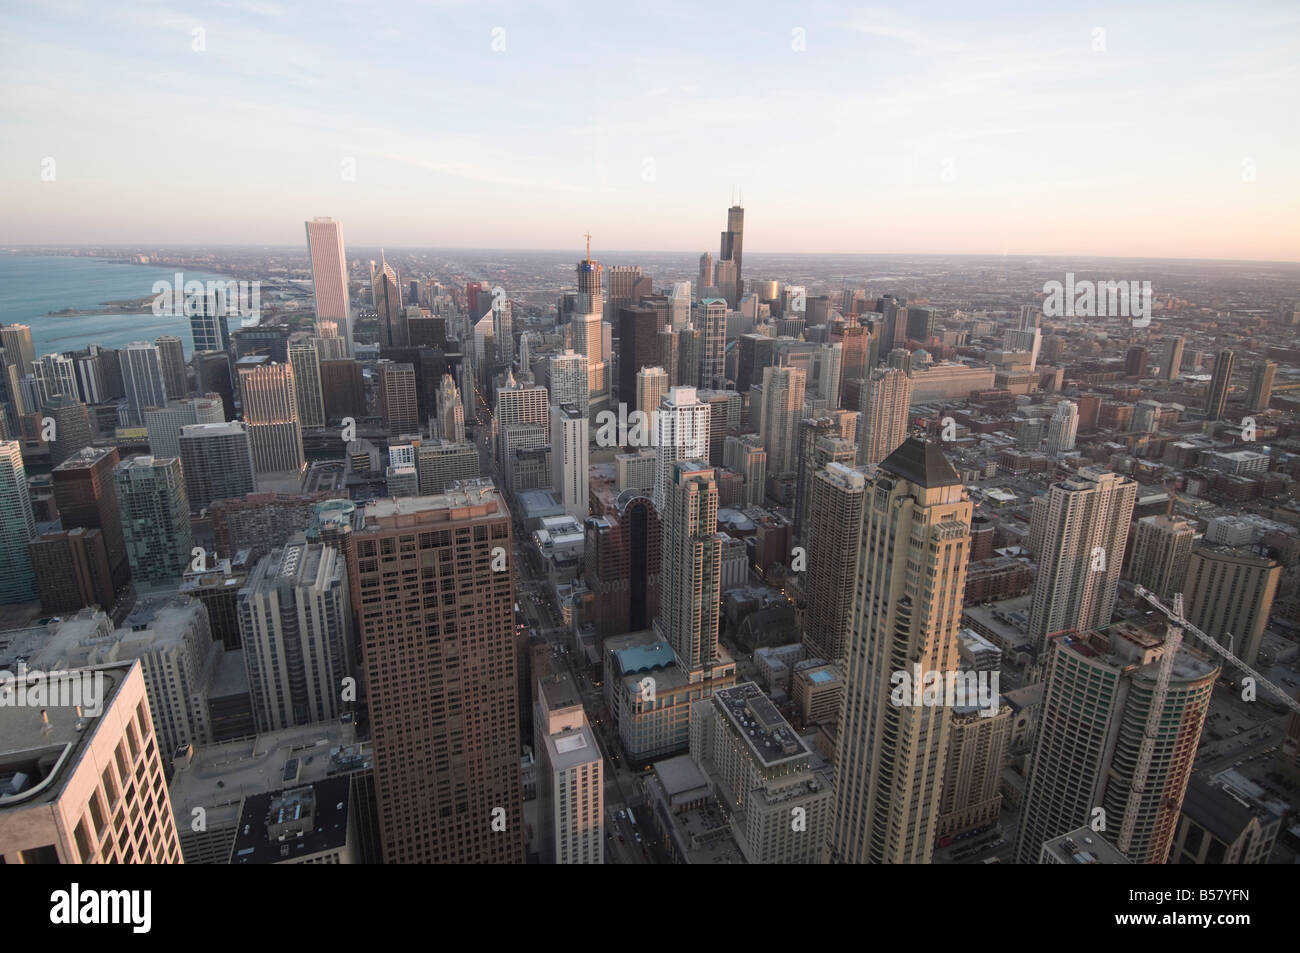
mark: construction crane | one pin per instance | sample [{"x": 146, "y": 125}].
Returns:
[
  {"x": 1178, "y": 624},
  {"x": 1176, "y": 618},
  {"x": 1150, "y": 729}
]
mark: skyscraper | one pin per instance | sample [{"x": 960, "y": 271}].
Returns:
[
  {"x": 1081, "y": 527},
  {"x": 651, "y": 388},
  {"x": 568, "y": 373},
  {"x": 1261, "y": 386},
  {"x": 885, "y": 399},
  {"x": 569, "y": 439},
  {"x": 1063, "y": 428},
  {"x": 17, "y": 527},
  {"x": 911, "y": 573},
  {"x": 171, "y": 355},
  {"x": 307, "y": 381},
  {"x": 1135, "y": 362},
  {"x": 711, "y": 321},
  {"x": 731, "y": 248},
  {"x": 623, "y": 561},
  {"x": 164, "y": 424},
  {"x": 295, "y": 624},
  {"x": 451, "y": 411},
  {"x": 1229, "y": 594},
  {"x": 217, "y": 460},
  {"x": 1172, "y": 362},
  {"x": 386, "y": 293},
  {"x": 835, "y": 513},
  {"x": 705, "y": 280},
  {"x": 520, "y": 411},
  {"x": 56, "y": 376},
  {"x": 208, "y": 325},
  {"x": 111, "y": 769},
  {"x": 1217, "y": 400},
  {"x": 447, "y": 784},
  {"x": 343, "y": 388},
  {"x": 1101, "y": 703},
  {"x": 780, "y": 407},
  {"x": 638, "y": 347},
  {"x": 142, "y": 378},
  {"x": 1161, "y": 547},
  {"x": 682, "y": 434},
  {"x": 570, "y": 776},
  {"x": 17, "y": 341},
  {"x": 679, "y": 304},
  {"x": 155, "y": 517},
  {"x": 270, "y": 404},
  {"x": 212, "y": 375},
  {"x": 72, "y": 429},
  {"x": 690, "y": 566},
  {"x": 329, "y": 275},
  {"x": 86, "y": 495}
]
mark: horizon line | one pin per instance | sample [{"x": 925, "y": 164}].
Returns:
[{"x": 11, "y": 248}]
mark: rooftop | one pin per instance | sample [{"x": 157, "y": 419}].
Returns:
[
  {"x": 1084, "y": 846},
  {"x": 40, "y": 744},
  {"x": 921, "y": 463},
  {"x": 297, "y": 822},
  {"x": 753, "y": 717}
]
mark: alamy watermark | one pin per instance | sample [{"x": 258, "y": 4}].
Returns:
[
  {"x": 32, "y": 688},
  {"x": 639, "y": 429},
  {"x": 1098, "y": 299},
  {"x": 218, "y": 297},
  {"x": 953, "y": 689}
]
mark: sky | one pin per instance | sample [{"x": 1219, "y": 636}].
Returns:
[{"x": 1126, "y": 129}]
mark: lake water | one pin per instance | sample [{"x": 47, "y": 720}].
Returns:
[{"x": 32, "y": 286}]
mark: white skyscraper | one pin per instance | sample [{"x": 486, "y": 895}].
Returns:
[
  {"x": 329, "y": 274},
  {"x": 570, "y": 776},
  {"x": 681, "y": 433},
  {"x": 569, "y": 437},
  {"x": 651, "y": 387},
  {"x": 679, "y": 305},
  {"x": 569, "y": 383},
  {"x": 1063, "y": 428}
]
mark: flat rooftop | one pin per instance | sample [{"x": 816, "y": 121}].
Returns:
[
  {"x": 754, "y": 718},
  {"x": 465, "y": 493},
  {"x": 220, "y": 776},
  {"x": 277, "y": 827},
  {"x": 41, "y": 744},
  {"x": 1084, "y": 846}
]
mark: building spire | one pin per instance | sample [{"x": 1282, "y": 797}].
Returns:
[{"x": 587, "y": 235}]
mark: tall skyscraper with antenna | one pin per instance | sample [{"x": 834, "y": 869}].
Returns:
[{"x": 730, "y": 250}]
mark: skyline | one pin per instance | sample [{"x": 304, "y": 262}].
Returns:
[{"x": 943, "y": 131}]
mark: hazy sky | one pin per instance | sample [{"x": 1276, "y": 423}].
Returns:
[{"x": 1026, "y": 128}]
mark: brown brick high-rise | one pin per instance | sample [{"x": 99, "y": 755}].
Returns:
[{"x": 437, "y": 634}]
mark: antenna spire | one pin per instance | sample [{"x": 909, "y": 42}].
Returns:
[{"x": 587, "y": 235}]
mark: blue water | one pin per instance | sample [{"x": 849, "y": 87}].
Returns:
[{"x": 32, "y": 286}]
